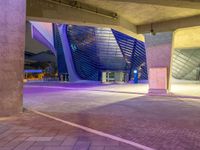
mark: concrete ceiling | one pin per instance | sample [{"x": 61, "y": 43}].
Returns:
[
  {"x": 188, "y": 38},
  {"x": 142, "y": 13},
  {"x": 175, "y": 3},
  {"x": 132, "y": 17}
]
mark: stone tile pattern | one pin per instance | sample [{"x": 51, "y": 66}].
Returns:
[
  {"x": 12, "y": 39},
  {"x": 29, "y": 131}
]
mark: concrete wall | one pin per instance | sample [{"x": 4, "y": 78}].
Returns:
[{"x": 12, "y": 41}]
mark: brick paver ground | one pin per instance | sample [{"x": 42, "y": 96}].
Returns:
[
  {"x": 163, "y": 123},
  {"x": 30, "y": 131}
]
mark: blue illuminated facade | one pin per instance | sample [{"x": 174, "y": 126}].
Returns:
[
  {"x": 85, "y": 52},
  {"x": 134, "y": 53},
  {"x": 95, "y": 50},
  {"x": 61, "y": 62}
]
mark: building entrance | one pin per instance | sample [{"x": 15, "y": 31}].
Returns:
[{"x": 114, "y": 77}]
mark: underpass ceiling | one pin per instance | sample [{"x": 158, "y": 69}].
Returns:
[
  {"x": 188, "y": 38},
  {"x": 140, "y": 14}
]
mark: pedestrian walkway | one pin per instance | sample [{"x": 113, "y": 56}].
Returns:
[
  {"x": 30, "y": 131},
  {"x": 158, "y": 122}
]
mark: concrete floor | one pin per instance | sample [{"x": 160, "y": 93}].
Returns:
[{"x": 159, "y": 122}]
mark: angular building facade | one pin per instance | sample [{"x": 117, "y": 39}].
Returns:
[
  {"x": 186, "y": 64},
  {"x": 90, "y": 53}
]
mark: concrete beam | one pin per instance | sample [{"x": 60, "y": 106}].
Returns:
[
  {"x": 194, "y": 4},
  {"x": 170, "y": 25},
  {"x": 52, "y": 11}
]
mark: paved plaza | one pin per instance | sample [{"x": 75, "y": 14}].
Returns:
[
  {"x": 33, "y": 132},
  {"x": 123, "y": 110}
]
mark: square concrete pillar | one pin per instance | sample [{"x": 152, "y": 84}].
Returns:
[
  {"x": 12, "y": 41},
  {"x": 159, "y": 53}
]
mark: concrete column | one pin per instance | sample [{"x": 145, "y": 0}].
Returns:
[
  {"x": 12, "y": 41},
  {"x": 159, "y": 53}
]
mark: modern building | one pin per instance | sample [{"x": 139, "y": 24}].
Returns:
[{"x": 93, "y": 54}]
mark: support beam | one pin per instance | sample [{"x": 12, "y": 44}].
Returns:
[
  {"x": 194, "y": 4},
  {"x": 12, "y": 45},
  {"x": 52, "y": 11},
  {"x": 170, "y": 25},
  {"x": 159, "y": 52}
]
